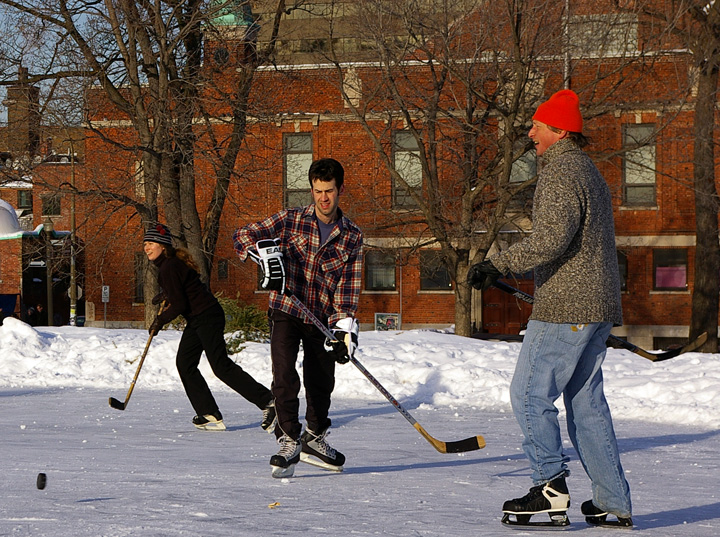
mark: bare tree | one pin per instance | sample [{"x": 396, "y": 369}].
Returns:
[
  {"x": 462, "y": 79},
  {"x": 142, "y": 64}
]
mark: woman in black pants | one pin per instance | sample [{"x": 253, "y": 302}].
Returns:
[{"x": 186, "y": 295}]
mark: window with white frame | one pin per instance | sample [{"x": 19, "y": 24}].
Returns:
[
  {"x": 379, "y": 270},
  {"x": 297, "y": 158},
  {"x": 406, "y": 159},
  {"x": 639, "y": 165}
]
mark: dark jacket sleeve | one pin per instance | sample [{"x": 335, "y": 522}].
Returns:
[{"x": 187, "y": 295}]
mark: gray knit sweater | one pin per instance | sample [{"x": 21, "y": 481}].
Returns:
[{"x": 572, "y": 246}]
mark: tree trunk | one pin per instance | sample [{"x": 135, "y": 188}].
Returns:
[
  {"x": 704, "y": 317},
  {"x": 463, "y": 301}
]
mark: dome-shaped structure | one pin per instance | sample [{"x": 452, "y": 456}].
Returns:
[{"x": 8, "y": 219}]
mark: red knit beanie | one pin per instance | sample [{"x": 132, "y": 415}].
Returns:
[{"x": 561, "y": 111}]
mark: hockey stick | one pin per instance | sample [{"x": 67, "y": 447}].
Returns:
[
  {"x": 459, "y": 446},
  {"x": 614, "y": 340},
  {"x": 119, "y": 405}
]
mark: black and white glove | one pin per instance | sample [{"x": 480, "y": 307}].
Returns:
[
  {"x": 483, "y": 275},
  {"x": 346, "y": 335},
  {"x": 268, "y": 255}
]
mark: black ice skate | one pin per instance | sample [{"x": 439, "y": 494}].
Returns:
[
  {"x": 551, "y": 498},
  {"x": 269, "y": 418},
  {"x": 597, "y": 517},
  {"x": 317, "y": 451},
  {"x": 209, "y": 422},
  {"x": 284, "y": 461}
]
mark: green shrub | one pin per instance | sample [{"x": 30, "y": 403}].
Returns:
[{"x": 243, "y": 322}]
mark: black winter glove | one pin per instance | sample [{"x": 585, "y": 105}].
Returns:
[
  {"x": 338, "y": 351},
  {"x": 155, "y": 327},
  {"x": 160, "y": 297},
  {"x": 483, "y": 275}
]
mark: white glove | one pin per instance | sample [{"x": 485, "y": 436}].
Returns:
[
  {"x": 267, "y": 254},
  {"x": 346, "y": 333}
]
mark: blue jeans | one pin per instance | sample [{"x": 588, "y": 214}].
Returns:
[{"x": 566, "y": 359}]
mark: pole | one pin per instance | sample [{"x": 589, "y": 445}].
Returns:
[
  {"x": 47, "y": 231},
  {"x": 73, "y": 273}
]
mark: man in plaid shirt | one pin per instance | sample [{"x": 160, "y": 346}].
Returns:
[{"x": 314, "y": 253}]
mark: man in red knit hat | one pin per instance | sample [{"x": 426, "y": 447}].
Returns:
[{"x": 577, "y": 302}]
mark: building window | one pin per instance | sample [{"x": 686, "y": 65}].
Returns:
[
  {"x": 434, "y": 276},
  {"x": 622, "y": 265},
  {"x": 50, "y": 204},
  {"x": 670, "y": 268},
  {"x": 639, "y": 165},
  {"x": 523, "y": 169},
  {"x": 222, "y": 269},
  {"x": 379, "y": 271},
  {"x": 297, "y": 158},
  {"x": 138, "y": 180},
  {"x": 406, "y": 159},
  {"x": 25, "y": 199},
  {"x": 602, "y": 35},
  {"x": 140, "y": 260}
]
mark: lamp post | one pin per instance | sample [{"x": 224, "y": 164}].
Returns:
[
  {"x": 48, "y": 230},
  {"x": 73, "y": 273}
]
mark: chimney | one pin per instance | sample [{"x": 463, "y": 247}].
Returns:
[{"x": 23, "y": 116}]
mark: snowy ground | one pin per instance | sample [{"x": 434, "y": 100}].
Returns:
[{"x": 147, "y": 472}]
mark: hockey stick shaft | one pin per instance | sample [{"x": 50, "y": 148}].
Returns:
[
  {"x": 614, "y": 340},
  {"x": 459, "y": 446},
  {"x": 119, "y": 405}
]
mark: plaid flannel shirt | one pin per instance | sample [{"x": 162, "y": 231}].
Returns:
[{"x": 326, "y": 278}]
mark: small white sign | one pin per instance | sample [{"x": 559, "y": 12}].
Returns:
[{"x": 106, "y": 293}]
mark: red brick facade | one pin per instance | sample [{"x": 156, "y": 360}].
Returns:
[{"x": 308, "y": 102}]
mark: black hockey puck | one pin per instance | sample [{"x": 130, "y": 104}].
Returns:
[{"x": 41, "y": 481}]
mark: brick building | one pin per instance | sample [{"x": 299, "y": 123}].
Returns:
[{"x": 404, "y": 286}]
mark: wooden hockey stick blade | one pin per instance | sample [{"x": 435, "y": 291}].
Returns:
[
  {"x": 118, "y": 405},
  {"x": 458, "y": 446},
  {"x": 664, "y": 355},
  {"x": 614, "y": 340}
]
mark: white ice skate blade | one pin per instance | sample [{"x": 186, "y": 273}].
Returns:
[
  {"x": 557, "y": 522},
  {"x": 309, "y": 459},
  {"x": 278, "y": 472},
  {"x": 211, "y": 426}
]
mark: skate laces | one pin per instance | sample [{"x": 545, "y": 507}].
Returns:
[
  {"x": 318, "y": 443},
  {"x": 288, "y": 447}
]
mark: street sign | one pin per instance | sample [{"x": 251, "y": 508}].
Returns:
[{"x": 106, "y": 293}]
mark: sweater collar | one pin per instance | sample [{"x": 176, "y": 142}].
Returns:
[{"x": 558, "y": 148}]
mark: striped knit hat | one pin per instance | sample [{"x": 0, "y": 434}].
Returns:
[{"x": 159, "y": 234}]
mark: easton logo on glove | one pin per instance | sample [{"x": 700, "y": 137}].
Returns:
[{"x": 270, "y": 258}]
